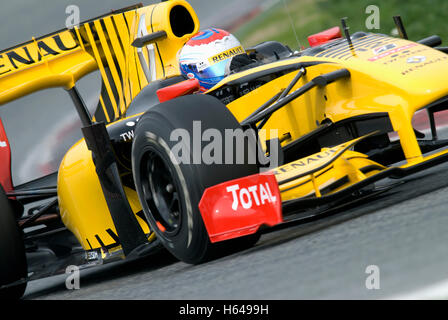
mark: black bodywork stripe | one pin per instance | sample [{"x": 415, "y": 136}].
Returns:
[
  {"x": 100, "y": 241},
  {"x": 88, "y": 242},
  {"x": 113, "y": 236},
  {"x": 117, "y": 67},
  {"x": 110, "y": 246}
]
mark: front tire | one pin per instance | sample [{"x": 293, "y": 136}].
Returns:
[{"x": 170, "y": 191}]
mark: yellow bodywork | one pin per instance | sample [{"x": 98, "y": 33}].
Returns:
[
  {"x": 376, "y": 85},
  {"x": 381, "y": 81},
  {"x": 103, "y": 44},
  {"x": 310, "y": 176},
  {"x": 90, "y": 220}
]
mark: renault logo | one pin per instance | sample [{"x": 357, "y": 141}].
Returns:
[{"x": 416, "y": 59}]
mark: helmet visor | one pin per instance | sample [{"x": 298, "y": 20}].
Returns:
[
  {"x": 207, "y": 72},
  {"x": 208, "y": 76}
]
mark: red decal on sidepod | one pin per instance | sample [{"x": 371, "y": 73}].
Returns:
[{"x": 5, "y": 160}]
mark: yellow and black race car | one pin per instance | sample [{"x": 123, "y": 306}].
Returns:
[{"x": 285, "y": 137}]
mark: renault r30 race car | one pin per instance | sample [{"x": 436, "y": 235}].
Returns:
[{"x": 319, "y": 126}]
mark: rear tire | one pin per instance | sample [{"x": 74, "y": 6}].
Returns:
[
  {"x": 13, "y": 266},
  {"x": 170, "y": 192}
]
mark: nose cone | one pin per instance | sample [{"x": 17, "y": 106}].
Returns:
[{"x": 414, "y": 68}]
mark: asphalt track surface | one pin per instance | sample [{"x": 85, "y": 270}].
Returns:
[{"x": 404, "y": 232}]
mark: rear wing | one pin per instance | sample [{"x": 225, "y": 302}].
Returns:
[{"x": 105, "y": 44}]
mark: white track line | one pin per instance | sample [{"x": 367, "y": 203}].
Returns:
[{"x": 438, "y": 291}]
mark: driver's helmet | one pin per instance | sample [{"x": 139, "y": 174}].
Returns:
[{"x": 206, "y": 55}]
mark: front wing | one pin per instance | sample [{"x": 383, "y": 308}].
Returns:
[{"x": 240, "y": 207}]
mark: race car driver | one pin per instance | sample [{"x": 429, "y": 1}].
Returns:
[{"x": 211, "y": 55}]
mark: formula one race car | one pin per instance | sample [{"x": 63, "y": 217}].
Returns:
[{"x": 303, "y": 131}]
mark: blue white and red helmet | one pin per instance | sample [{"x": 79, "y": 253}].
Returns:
[{"x": 206, "y": 55}]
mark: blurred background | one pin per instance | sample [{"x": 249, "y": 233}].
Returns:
[
  {"x": 42, "y": 126},
  {"x": 421, "y": 19}
]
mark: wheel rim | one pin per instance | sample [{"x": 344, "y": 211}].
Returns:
[{"x": 160, "y": 190}]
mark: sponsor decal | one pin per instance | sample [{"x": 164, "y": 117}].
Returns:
[
  {"x": 239, "y": 207},
  {"x": 392, "y": 51},
  {"x": 416, "y": 59},
  {"x": 33, "y": 53},
  {"x": 306, "y": 162},
  {"x": 423, "y": 64},
  {"x": 384, "y": 48},
  {"x": 403, "y": 55},
  {"x": 255, "y": 195},
  {"x": 226, "y": 54},
  {"x": 3, "y": 144},
  {"x": 127, "y": 136},
  {"x": 202, "y": 65}
]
